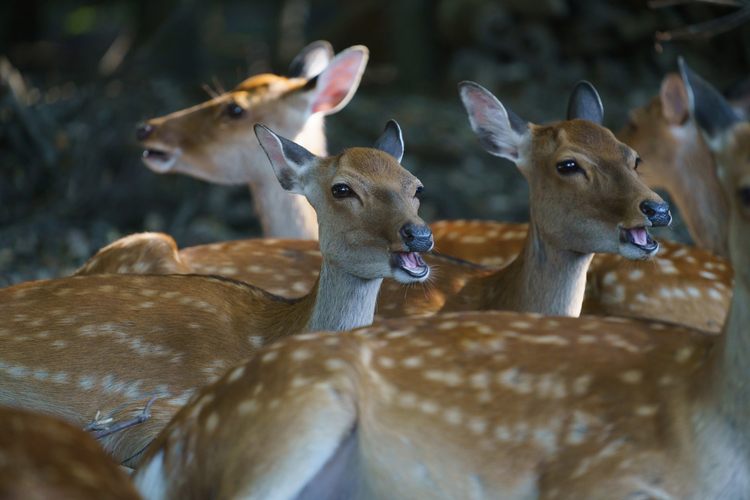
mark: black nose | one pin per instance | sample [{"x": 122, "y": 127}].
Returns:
[
  {"x": 657, "y": 212},
  {"x": 416, "y": 238},
  {"x": 143, "y": 131}
]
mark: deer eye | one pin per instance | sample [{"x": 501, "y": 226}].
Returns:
[
  {"x": 568, "y": 167},
  {"x": 341, "y": 191},
  {"x": 234, "y": 110},
  {"x": 419, "y": 192},
  {"x": 638, "y": 161}
]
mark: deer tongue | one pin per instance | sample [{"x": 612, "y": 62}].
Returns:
[
  {"x": 640, "y": 236},
  {"x": 411, "y": 260}
]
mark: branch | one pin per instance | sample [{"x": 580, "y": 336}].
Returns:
[
  {"x": 137, "y": 420},
  {"x": 659, "y": 4},
  {"x": 707, "y": 29}
]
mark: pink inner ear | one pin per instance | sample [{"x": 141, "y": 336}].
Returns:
[
  {"x": 272, "y": 146},
  {"x": 674, "y": 100},
  {"x": 482, "y": 107},
  {"x": 336, "y": 81}
]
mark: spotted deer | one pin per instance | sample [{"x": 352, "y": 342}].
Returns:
[
  {"x": 213, "y": 141},
  {"x": 43, "y": 458},
  {"x": 486, "y": 405},
  {"x": 694, "y": 295},
  {"x": 73, "y": 347}
]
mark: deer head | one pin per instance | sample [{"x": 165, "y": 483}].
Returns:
[
  {"x": 366, "y": 204},
  {"x": 585, "y": 193},
  {"x": 210, "y": 141},
  {"x": 728, "y": 138}
]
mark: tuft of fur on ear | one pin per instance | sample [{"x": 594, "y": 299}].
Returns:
[
  {"x": 499, "y": 130},
  {"x": 674, "y": 99},
  {"x": 289, "y": 160},
  {"x": 337, "y": 83},
  {"x": 585, "y": 103},
  {"x": 708, "y": 107},
  {"x": 311, "y": 60},
  {"x": 392, "y": 141}
]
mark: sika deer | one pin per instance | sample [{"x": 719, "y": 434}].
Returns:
[
  {"x": 486, "y": 405},
  {"x": 42, "y": 458},
  {"x": 213, "y": 141},
  {"x": 74, "y": 346},
  {"x": 585, "y": 198},
  {"x": 607, "y": 198}
]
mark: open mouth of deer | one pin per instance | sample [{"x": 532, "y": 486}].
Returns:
[
  {"x": 639, "y": 237},
  {"x": 411, "y": 263},
  {"x": 159, "y": 160}
]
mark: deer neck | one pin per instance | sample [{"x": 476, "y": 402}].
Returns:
[
  {"x": 283, "y": 214},
  {"x": 542, "y": 279},
  {"x": 343, "y": 301},
  {"x": 699, "y": 196},
  {"x": 545, "y": 279}
]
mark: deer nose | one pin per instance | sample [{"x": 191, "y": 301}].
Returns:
[
  {"x": 143, "y": 131},
  {"x": 657, "y": 212},
  {"x": 417, "y": 238}
]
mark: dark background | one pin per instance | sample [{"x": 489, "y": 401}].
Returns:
[{"x": 84, "y": 73}]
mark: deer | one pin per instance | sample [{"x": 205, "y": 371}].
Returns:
[
  {"x": 44, "y": 458},
  {"x": 486, "y": 404},
  {"x": 212, "y": 141},
  {"x": 106, "y": 345},
  {"x": 287, "y": 267}
]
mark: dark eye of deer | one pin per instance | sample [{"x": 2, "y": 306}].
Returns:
[
  {"x": 341, "y": 191},
  {"x": 234, "y": 110},
  {"x": 638, "y": 161},
  {"x": 419, "y": 192},
  {"x": 568, "y": 167},
  {"x": 745, "y": 196}
]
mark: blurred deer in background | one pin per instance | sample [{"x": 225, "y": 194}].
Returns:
[
  {"x": 214, "y": 140},
  {"x": 73, "y": 347},
  {"x": 486, "y": 405},
  {"x": 42, "y": 458}
]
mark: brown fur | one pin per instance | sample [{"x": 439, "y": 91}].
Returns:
[{"x": 42, "y": 458}]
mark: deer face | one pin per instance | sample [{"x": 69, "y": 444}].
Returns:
[
  {"x": 585, "y": 192},
  {"x": 366, "y": 204},
  {"x": 212, "y": 141}
]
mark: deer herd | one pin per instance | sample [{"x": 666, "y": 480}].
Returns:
[{"x": 337, "y": 358}]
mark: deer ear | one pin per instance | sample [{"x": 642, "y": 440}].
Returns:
[
  {"x": 338, "y": 82},
  {"x": 289, "y": 160},
  {"x": 585, "y": 103},
  {"x": 311, "y": 60},
  {"x": 709, "y": 109},
  {"x": 674, "y": 99},
  {"x": 392, "y": 141},
  {"x": 499, "y": 131}
]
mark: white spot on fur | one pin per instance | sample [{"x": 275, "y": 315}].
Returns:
[
  {"x": 236, "y": 373},
  {"x": 683, "y": 354},
  {"x": 646, "y": 411},
  {"x": 248, "y": 407},
  {"x": 269, "y": 356},
  {"x": 412, "y": 362},
  {"x": 631, "y": 377},
  {"x": 707, "y": 275}
]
